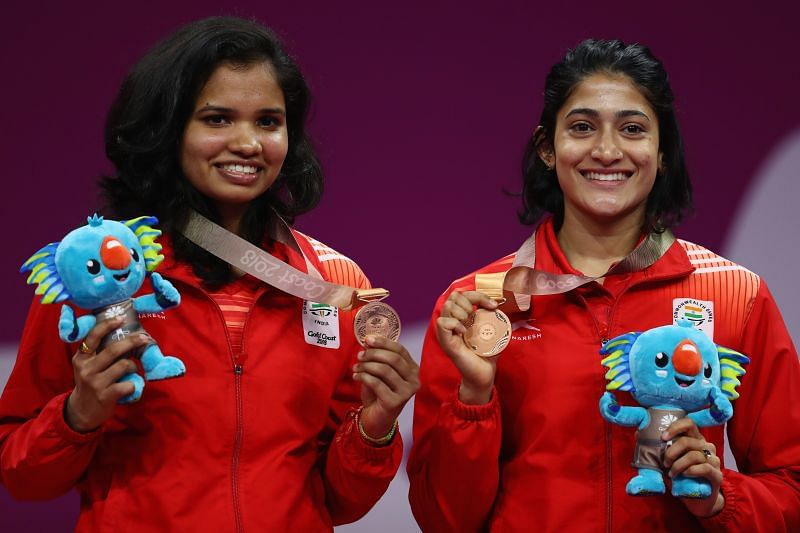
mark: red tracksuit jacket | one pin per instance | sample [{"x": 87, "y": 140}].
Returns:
[
  {"x": 262, "y": 442},
  {"x": 540, "y": 457}
]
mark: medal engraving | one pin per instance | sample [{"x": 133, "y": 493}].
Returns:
[
  {"x": 376, "y": 318},
  {"x": 488, "y": 332}
]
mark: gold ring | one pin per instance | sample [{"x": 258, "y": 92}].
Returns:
[{"x": 84, "y": 348}]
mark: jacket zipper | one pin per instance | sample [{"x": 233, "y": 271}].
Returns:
[
  {"x": 238, "y": 437},
  {"x": 602, "y": 334}
]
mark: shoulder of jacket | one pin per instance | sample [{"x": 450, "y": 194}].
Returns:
[
  {"x": 337, "y": 267},
  {"x": 729, "y": 274}
]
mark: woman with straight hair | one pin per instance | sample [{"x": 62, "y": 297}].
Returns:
[
  {"x": 517, "y": 442},
  {"x": 270, "y": 428}
]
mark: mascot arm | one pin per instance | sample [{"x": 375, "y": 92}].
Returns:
[
  {"x": 71, "y": 329},
  {"x": 165, "y": 296},
  {"x": 622, "y": 415},
  {"x": 719, "y": 411}
]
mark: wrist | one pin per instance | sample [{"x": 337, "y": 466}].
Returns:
[
  {"x": 75, "y": 422},
  {"x": 383, "y": 438},
  {"x": 472, "y": 395}
]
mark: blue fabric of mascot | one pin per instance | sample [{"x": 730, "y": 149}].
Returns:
[
  {"x": 672, "y": 372},
  {"x": 99, "y": 267}
]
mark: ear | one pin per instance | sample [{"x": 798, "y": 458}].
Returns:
[{"x": 544, "y": 148}]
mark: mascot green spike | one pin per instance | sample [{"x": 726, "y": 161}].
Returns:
[
  {"x": 99, "y": 267},
  {"x": 672, "y": 371}
]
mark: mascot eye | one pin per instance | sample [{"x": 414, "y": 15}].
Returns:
[
  {"x": 135, "y": 255},
  {"x": 661, "y": 359},
  {"x": 93, "y": 266},
  {"x": 707, "y": 370}
]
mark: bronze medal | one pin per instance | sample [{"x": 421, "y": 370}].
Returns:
[
  {"x": 376, "y": 318},
  {"x": 488, "y": 332}
]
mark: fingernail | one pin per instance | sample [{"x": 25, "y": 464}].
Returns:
[
  {"x": 355, "y": 375},
  {"x": 492, "y": 304},
  {"x": 355, "y": 368},
  {"x": 665, "y": 435},
  {"x": 360, "y": 356},
  {"x": 370, "y": 339}
]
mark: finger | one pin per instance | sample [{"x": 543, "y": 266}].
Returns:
[
  {"x": 451, "y": 309},
  {"x": 479, "y": 299},
  {"x": 683, "y": 426},
  {"x": 118, "y": 349},
  {"x": 687, "y": 460},
  {"x": 683, "y": 445},
  {"x": 384, "y": 343},
  {"x": 449, "y": 325},
  {"x": 116, "y": 391},
  {"x": 382, "y": 371},
  {"x": 113, "y": 373},
  {"x": 98, "y": 332},
  {"x": 707, "y": 471},
  {"x": 385, "y": 395}
]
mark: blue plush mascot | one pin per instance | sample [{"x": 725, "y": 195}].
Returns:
[
  {"x": 99, "y": 267},
  {"x": 672, "y": 371}
]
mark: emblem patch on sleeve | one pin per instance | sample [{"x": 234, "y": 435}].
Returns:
[
  {"x": 321, "y": 324},
  {"x": 699, "y": 312}
]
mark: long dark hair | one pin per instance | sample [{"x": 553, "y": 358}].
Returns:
[
  {"x": 146, "y": 122},
  {"x": 671, "y": 196}
]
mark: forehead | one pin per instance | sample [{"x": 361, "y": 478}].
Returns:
[
  {"x": 256, "y": 81},
  {"x": 607, "y": 92}
]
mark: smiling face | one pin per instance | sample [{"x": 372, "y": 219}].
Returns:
[
  {"x": 605, "y": 150},
  {"x": 236, "y": 138}
]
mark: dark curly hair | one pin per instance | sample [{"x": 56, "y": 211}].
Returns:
[
  {"x": 671, "y": 196},
  {"x": 146, "y": 123}
]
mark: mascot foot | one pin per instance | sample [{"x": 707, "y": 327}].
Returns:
[
  {"x": 686, "y": 487},
  {"x": 138, "y": 384},
  {"x": 647, "y": 482},
  {"x": 168, "y": 367},
  {"x": 157, "y": 366}
]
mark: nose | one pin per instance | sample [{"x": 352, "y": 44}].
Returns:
[
  {"x": 686, "y": 358},
  {"x": 114, "y": 254},
  {"x": 606, "y": 149},
  {"x": 245, "y": 141}
]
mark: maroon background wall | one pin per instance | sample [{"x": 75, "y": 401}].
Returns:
[{"x": 420, "y": 116}]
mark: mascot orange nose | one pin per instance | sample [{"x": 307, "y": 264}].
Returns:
[
  {"x": 113, "y": 254},
  {"x": 686, "y": 358}
]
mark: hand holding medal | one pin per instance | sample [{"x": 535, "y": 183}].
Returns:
[{"x": 461, "y": 323}]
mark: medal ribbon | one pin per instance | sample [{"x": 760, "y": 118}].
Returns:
[
  {"x": 253, "y": 260},
  {"x": 523, "y": 281}
]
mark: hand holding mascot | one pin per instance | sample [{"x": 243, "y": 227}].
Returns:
[
  {"x": 99, "y": 267},
  {"x": 672, "y": 371}
]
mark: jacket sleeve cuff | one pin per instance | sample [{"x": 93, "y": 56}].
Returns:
[
  {"x": 372, "y": 454},
  {"x": 60, "y": 426},
  {"x": 476, "y": 412},
  {"x": 721, "y": 520}
]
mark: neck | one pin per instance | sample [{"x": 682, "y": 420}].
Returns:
[
  {"x": 230, "y": 218},
  {"x": 593, "y": 246}
]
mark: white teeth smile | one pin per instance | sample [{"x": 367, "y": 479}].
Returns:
[
  {"x": 617, "y": 176},
  {"x": 242, "y": 169}
]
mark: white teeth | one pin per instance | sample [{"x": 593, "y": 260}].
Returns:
[
  {"x": 242, "y": 169},
  {"x": 617, "y": 176}
]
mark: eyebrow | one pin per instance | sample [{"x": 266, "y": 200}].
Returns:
[
  {"x": 619, "y": 114},
  {"x": 220, "y": 109}
]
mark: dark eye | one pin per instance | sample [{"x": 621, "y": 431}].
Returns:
[
  {"x": 135, "y": 254},
  {"x": 707, "y": 370},
  {"x": 93, "y": 266},
  {"x": 661, "y": 359}
]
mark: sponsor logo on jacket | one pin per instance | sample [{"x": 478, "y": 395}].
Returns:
[{"x": 524, "y": 330}]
